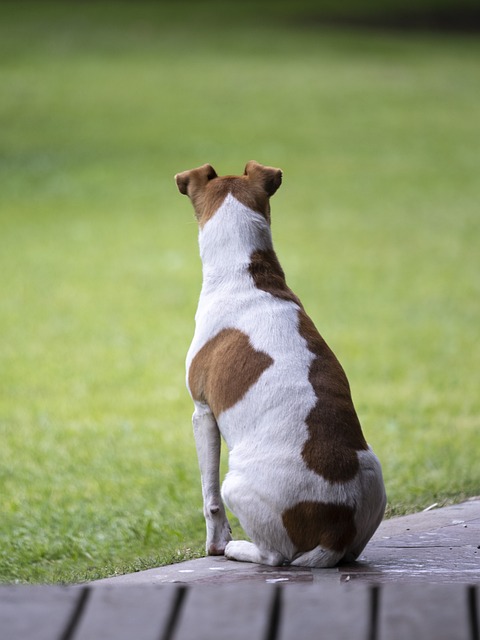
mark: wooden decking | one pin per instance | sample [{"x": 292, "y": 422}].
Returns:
[{"x": 268, "y": 612}]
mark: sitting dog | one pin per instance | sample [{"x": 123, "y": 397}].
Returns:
[{"x": 304, "y": 484}]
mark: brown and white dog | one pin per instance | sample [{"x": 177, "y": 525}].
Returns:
[{"x": 304, "y": 484}]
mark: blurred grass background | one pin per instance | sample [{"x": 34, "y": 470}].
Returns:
[{"x": 376, "y": 224}]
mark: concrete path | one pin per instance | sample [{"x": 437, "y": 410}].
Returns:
[{"x": 437, "y": 545}]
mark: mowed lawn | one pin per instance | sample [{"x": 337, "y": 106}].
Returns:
[{"x": 377, "y": 225}]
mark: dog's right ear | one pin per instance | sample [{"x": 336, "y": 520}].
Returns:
[{"x": 189, "y": 182}]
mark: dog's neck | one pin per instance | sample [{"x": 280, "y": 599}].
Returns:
[{"x": 228, "y": 240}]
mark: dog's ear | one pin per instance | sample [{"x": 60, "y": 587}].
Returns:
[
  {"x": 188, "y": 182},
  {"x": 269, "y": 177}
]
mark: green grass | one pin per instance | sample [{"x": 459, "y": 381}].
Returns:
[{"x": 376, "y": 224}]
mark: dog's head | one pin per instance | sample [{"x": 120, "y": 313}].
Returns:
[{"x": 207, "y": 191}]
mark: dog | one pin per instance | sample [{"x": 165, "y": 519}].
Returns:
[{"x": 302, "y": 481}]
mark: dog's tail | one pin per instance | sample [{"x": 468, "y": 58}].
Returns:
[{"x": 319, "y": 557}]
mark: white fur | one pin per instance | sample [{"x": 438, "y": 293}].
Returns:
[{"x": 266, "y": 430}]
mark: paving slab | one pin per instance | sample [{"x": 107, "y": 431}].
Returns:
[{"x": 440, "y": 545}]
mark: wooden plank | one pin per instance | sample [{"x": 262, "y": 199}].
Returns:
[
  {"x": 428, "y": 611},
  {"x": 36, "y": 613},
  {"x": 340, "y": 612},
  {"x": 119, "y": 613},
  {"x": 474, "y": 597},
  {"x": 234, "y": 612}
]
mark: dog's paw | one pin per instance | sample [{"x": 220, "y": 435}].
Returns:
[
  {"x": 218, "y": 540},
  {"x": 216, "y": 548},
  {"x": 244, "y": 551},
  {"x": 241, "y": 550},
  {"x": 230, "y": 550}
]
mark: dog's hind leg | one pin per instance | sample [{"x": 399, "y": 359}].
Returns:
[
  {"x": 207, "y": 441},
  {"x": 260, "y": 522},
  {"x": 244, "y": 551}
]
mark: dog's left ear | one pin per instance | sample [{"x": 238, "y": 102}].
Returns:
[
  {"x": 190, "y": 181},
  {"x": 269, "y": 177}
]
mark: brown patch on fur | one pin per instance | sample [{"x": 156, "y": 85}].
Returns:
[
  {"x": 313, "y": 524},
  {"x": 224, "y": 369},
  {"x": 335, "y": 434},
  {"x": 207, "y": 191},
  {"x": 268, "y": 275}
]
